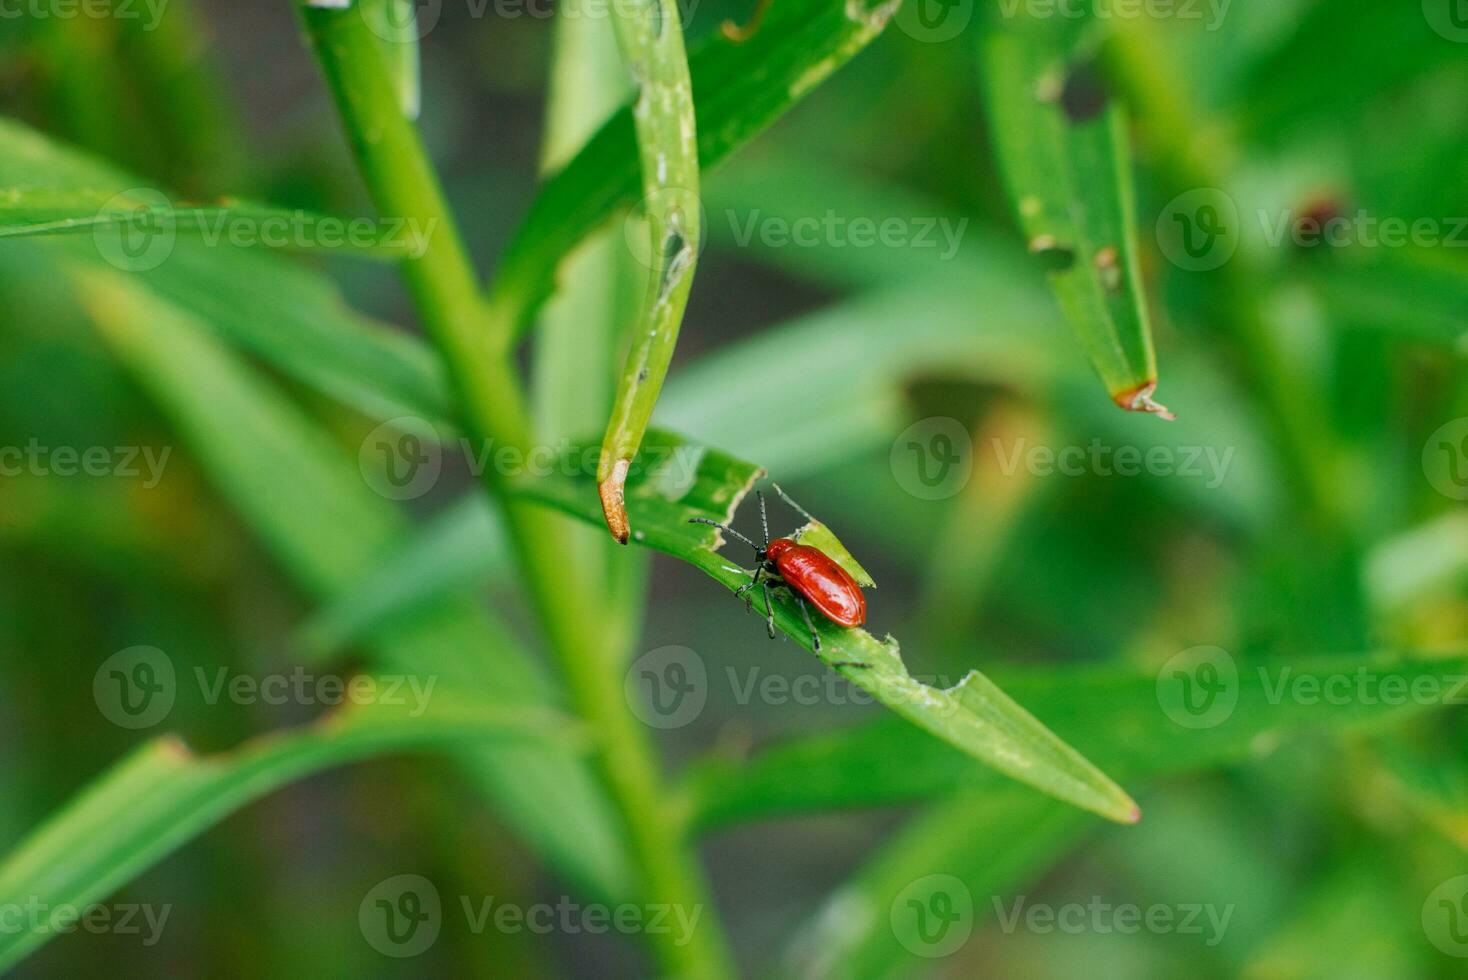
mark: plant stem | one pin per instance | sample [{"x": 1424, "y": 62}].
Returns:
[{"x": 446, "y": 294}]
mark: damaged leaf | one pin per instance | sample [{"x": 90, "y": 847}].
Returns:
[
  {"x": 1063, "y": 148},
  {"x": 651, "y": 38},
  {"x": 675, "y": 480}
]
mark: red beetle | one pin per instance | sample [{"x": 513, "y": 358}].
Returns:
[{"x": 809, "y": 573}]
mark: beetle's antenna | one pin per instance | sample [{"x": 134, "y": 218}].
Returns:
[
  {"x": 764, "y": 518},
  {"x": 723, "y": 527},
  {"x": 786, "y": 497}
]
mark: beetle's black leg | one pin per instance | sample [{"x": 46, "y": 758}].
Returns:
[
  {"x": 815, "y": 638},
  {"x": 769, "y": 607},
  {"x": 743, "y": 591}
]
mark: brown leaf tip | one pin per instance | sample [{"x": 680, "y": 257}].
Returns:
[
  {"x": 613, "y": 492},
  {"x": 1139, "y": 399}
]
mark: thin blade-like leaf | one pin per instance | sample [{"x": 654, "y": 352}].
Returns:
[
  {"x": 739, "y": 89},
  {"x": 651, "y": 38},
  {"x": 163, "y": 795},
  {"x": 1062, "y": 145}
]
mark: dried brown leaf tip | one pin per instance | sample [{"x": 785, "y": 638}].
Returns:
[
  {"x": 1139, "y": 399},
  {"x": 613, "y": 492}
]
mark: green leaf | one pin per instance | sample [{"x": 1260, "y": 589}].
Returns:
[
  {"x": 309, "y": 503},
  {"x": 1063, "y": 147},
  {"x": 261, "y": 302},
  {"x": 650, "y": 35},
  {"x": 162, "y": 795},
  {"x": 149, "y": 215},
  {"x": 679, "y": 480},
  {"x": 1114, "y": 712},
  {"x": 739, "y": 89}
]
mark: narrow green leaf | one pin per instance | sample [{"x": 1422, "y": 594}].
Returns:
[
  {"x": 1114, "y": 712},
  {"x": 651, "y": 38},
  {"x": 254, "y": 299},
  {"x": 678, "y": 480},
  {"x": 163, "y": 795},
  {"x": 1063, "y": 147},
  {"x": 739, "y": 89},
  {"x": 142, "y": 216}
]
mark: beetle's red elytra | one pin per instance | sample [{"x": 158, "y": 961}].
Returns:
[
  {"x": 811, "y": 575},
  {"x": 815, "y": 575}
]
